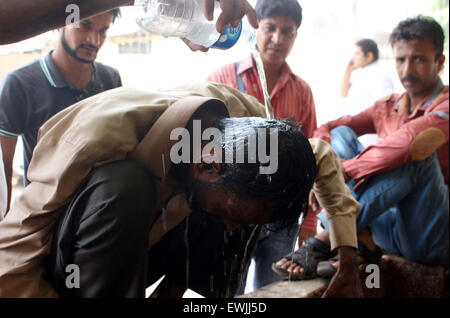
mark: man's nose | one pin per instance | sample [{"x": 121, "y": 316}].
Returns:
[
  {"x": 93, "y": 38},
  {"x": 408, "y": 68},
  {"x": 277, "y": 37}
]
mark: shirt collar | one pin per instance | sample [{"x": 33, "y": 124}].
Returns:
[
  {"x": 57, "y": 80},
  {"x": 51, "y": 72},
  {"x": 249, "y": 63},
  {"x": 403, "y": 102},
  {"x": 246, "y": 64},
  {"x": 434, "y": 94}
]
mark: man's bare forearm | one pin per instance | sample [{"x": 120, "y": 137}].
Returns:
[
  {"x": 8, "y": 146},
  {"x": 346, "y": 282},
  {"x": 22, "y": 19},
  {"x": 345, "y": 85}
]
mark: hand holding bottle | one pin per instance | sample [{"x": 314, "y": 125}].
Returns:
[
  {"x": 197, "y": 22},
  {"x": 232, "y": 13}
]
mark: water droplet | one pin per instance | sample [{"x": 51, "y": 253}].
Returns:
[
  {"x": 292, "y": 263},
  {"x": 211, "y": 283},
  {"x": 163, "y": 164},
  {"x": 186, "y": 243},
  {"x": 190, "y": 198},
  {"x": 163, "y": 216},
  {"x": 225, "y": 237}
]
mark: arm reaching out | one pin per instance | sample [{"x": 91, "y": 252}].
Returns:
[{"x": 22, "y": 19}]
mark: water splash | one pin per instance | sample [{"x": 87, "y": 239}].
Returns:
[
  {"x": 186, "y": 243},
  {"x": 293, "y": 250},
  {"x": 211, "y": 283},
  {"x": 190, "y": 198},
  {"x": 163, "y": 218},
  {"x": 163, "y": 164},
  {"x": 225, "y": 237},
  {"x": 234, "y": 265},
  {"x": 263, "y": 81}
]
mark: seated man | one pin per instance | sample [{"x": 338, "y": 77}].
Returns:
[
  {"x": 112, "y": 169},
  {"x": 365, "y": 81},
  {"x": 401, "y": 182}
]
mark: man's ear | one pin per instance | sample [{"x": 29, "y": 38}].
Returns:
[
  {"x": 441, "y": 61},
  {"x": 370, "y": 56},
  {"x": 209, "y": 172}
]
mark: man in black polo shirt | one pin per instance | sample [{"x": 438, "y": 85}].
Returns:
[{"x": 32, "y": 94}]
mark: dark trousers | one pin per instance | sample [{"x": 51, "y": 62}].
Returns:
[
  {"x": 105, "y": 233},
  {"x": 105, "y": 229}
]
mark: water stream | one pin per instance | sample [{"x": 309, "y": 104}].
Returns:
[{"x": 263, "y": 81}]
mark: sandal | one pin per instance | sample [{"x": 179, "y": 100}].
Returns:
[
  {"x": 327, "y": 270},
  {"x": 307, "y": 257}
]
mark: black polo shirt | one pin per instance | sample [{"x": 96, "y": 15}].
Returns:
[{"x": 32, "y": 94}]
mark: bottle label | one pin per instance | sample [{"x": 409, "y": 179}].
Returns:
[{"x": 228, "y": 38}]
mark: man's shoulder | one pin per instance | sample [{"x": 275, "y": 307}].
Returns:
[
  {"x": 391, "y": 98},
  {"x": 300, "y": 82},
  {"x": 223, "y": 72},
  {"x": 108, "y": 75},
  {"x": 106, "y": 68},
  {"x": 25, "y": 73},
  {"x": 386, "y": 104},
  {"x": 441, "y": 101},
  {"x": 443, "y": 95}
]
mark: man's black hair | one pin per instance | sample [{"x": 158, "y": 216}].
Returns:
[
  {"x": 419, "y": 27},
  {"x": 116, "y": 13},
  {"x": 285, "y": 192},
  {"x": 285, "y": 8},
  {"x": 368, "y": 45}
]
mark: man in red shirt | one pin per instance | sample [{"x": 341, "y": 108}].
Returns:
[
  {"x": 290, "y": 96},
  {"x": 401, "y": 182}
]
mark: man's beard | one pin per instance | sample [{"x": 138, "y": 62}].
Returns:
[{"x": 73, "y": 53}]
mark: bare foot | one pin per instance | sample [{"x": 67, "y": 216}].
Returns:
[{"x": 290, "y": 266}]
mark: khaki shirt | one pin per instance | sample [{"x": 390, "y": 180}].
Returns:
[{"x": 130, "y": 123}]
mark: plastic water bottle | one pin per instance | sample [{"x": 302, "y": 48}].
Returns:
[{"x": 185, "y": 19}]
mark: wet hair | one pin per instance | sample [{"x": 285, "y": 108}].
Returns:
[
  {"x": 285, "y": 192},
  {"x": 368, "y": 45},
  {"x": 419, "y": 27},
  {"x": 285, "y": 8}
]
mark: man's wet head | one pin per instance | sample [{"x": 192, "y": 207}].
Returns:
[{"x": 238, "y": 192}]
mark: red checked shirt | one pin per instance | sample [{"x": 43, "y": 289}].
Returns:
[
  {"x": 405, "y": 136},
  {"x": 290, "y": 98}
]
